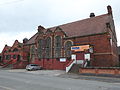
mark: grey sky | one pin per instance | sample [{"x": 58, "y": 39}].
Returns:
[{"x": 20, "y": 18}]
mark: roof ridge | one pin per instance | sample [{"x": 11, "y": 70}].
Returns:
[
  {"x": 79, "y": 21},
  {"x": 33, "y": 36}
]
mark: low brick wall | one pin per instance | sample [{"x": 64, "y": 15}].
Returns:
[
  {"x": 52, "y": 64},
  {"x": 97, "y": 71}
]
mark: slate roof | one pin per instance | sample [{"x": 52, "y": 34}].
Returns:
[
  {"x": 32, "y": 39},
  {"x": 93, "y": 25},
  {"x": 6, "y": 48}
]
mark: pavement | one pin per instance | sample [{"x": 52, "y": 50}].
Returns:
[{"x": 93, "y": 78}]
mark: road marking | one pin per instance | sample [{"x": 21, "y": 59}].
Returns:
[{"x": 6, "y": 88}]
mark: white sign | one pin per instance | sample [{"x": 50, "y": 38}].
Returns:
[
  {"x": 62, "y": 59},
  {"x": 79, "y": 61},
  {"x": 73, "y": 56},
  {"x": 87, "y": 56}
]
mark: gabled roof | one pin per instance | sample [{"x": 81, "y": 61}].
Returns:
[
  {"x": 6, "y": 48},
  {"x": 17, "y": 43},
  {"x": 32, "y": 39},
  {"x": 89, "y": 26},
  {"x": 93, "y": 25}
]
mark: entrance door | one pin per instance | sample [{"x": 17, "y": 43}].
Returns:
[
  {"x": 87, "y": 59},
  {"x": 79, "y": 57},
  {"x": 18, "y": 58},
  {"x": 0, "y": 59}
]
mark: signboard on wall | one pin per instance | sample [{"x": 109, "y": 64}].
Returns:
[
  {"x": 62, "y": 59},
  {"x": 73, "y": 57},
  {"x": 80, "y": 61},
  {"x": 80, "y": 48}
]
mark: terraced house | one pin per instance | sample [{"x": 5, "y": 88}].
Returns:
[{"x": 14, "y": 56}]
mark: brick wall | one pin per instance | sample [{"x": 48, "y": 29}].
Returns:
[
  {"x": 54, "y": 64},
  {"x": 112, "y": 71},
  {"x": 104, "y": 54}
]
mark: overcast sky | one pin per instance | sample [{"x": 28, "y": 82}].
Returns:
[{"x": 20, "y": 18}]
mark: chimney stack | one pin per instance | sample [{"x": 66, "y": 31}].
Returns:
[
  {"x": 92, "y": 15},
  {"x": 6, "y": 45},
  {"x": 40, "y": 28},
  {"x": 25, "y": 40},
  {"x": 109, "y": 8}
]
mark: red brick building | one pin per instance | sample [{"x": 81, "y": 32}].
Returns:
[
  {"x": 119, "y": 52},
  {"x": 0, "y": 57},
  {"x": 51, "y": 47},
  {"x": 92, "y": 39},
  {"x": 14, "y": 56}
]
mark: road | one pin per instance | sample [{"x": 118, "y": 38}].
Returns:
[{"x": 28, "y": 81}]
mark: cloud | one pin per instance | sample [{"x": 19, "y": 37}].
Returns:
[
  {"x": 19, "y": 17},
  {"x": 9, "y": 38}
]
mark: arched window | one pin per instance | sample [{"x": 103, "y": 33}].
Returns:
[
  {"x": 32, "y": 53},
  {"x": 15, "y": 50},
  {"x": 41, "y": 48},
  {"x": 14, "y": 56},
  {"x": 48, "y": 48},
  {"x": 0, "y": 58},
  {"x": 18, "y": 57},
  {"x": 8, "y": 57},
  {"x": 58, "y": 46},
  {"x": 32, "y": 50},
  {"x": 68, "y": 45}
]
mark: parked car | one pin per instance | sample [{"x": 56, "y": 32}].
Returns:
[{"x": 31, "y": 67}]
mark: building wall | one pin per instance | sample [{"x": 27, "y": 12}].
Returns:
[
  {"x": 54, "y": 64},
  {"x": 104, "y": 55},
  {"x": 119, "y": 54},
  {"x": 15, "y": 55},
  {"x": 0, "y": 59}
]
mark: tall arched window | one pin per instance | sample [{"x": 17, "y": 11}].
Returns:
[
  {"x": 41, "y": 48},
  {"x": 68, "y": 45},
  {"x": 32, "y": 52},
  {"x": 58, "y": 46},
  {"x": 48, "y": 48},
  {"x": 0, "y": 58}
]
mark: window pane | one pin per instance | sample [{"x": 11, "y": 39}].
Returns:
[
  {"x": 68, "y": 45},
  {"x": 40, "y": 48},
  {"x": 48, "y": 48},
  {"x": 58, "y": 46}
]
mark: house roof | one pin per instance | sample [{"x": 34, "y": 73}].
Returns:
[
  {"x": 6, "y": 48},
  {"x": 16, "y": 43},
  {"x": 32, "y": 39},
  {"x": 93, "y": 25}
]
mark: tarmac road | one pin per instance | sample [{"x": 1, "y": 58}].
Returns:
[{"x": 30, "y": 81}]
